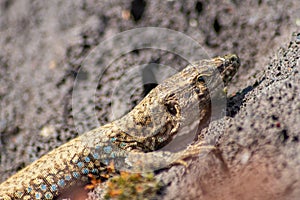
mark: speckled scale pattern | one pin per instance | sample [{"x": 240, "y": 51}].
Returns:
[
  {"x": 132, "y": 141},
  {"x": 54, "y": 172}
]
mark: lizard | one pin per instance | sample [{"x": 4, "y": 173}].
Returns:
[{"x": 135, "y": 141}]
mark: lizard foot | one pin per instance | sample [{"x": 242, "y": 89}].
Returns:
[{"x": 191, "y": 151}]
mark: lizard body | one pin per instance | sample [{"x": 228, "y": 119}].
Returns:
[{"x": 132, "y": 141}]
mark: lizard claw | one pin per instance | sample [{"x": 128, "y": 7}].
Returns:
[{"x": 191, "y": 151}]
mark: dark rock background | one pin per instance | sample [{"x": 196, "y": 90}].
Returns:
[{"x": 44, "y": 43}]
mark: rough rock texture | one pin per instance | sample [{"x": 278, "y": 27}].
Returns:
[
  {"x": 258, "y": 149},
  {"x": 43, "y": 45}
]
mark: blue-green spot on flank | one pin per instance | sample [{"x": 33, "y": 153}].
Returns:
[
  {"x": 29, "y": 189},
  {"x": 123, "y": 144},
  {"x": 68, "y": 177},
  {"x": 107, "y": 149},
  {"x": 85, "y": 171},
  {"x": 80, "y": 164},
  {"x": 98, "y": 147},
  {"x": 113, "y": 139},
  {"x": 112, "y": 155},
  {"x": 76, "y": 175},
  {"x": 53, "y": 187},
  {"x": 19, "y": 194},
  {"x": 43, "y": 187},
  {"x": 38, "y": 195},
  {"x": 61, "y": 183},
  {"x": 96, "y": 156},
  {"x": 48, "y": 195},
  {"x": 95, "y": 171},
  {"x": 105, "y": 162},
  {"x": 87, "y": 159}
]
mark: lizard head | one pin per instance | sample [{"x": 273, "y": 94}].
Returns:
[{"x": 179, "y": 104}]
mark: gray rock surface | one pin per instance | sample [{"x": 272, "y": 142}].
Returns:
[{"x": 44, "y": 43}]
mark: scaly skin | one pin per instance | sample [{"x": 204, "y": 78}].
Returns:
[{"x": 132, "y": 141}]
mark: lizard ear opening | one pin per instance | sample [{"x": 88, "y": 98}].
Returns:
[
  {"x": 171, "y": 108},
  {"x": 171, "y": 104}
]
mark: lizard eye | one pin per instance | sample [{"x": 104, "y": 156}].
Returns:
[{"x": 200, "y": 79}]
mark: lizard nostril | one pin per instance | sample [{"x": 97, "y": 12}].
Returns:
[{"x": 234, "y": 58}]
